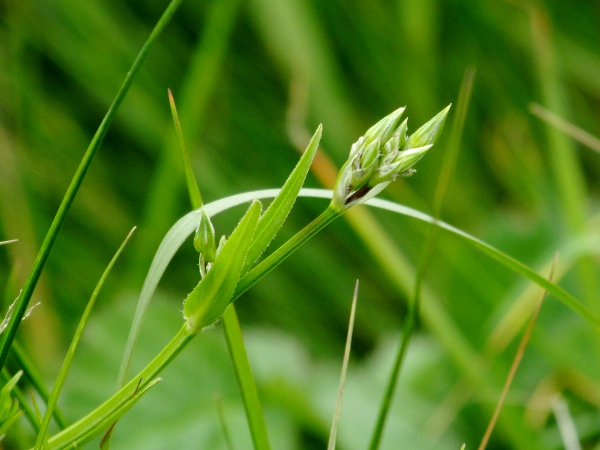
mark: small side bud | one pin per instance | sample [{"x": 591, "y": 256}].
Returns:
[{"x": 204, "y": 239}]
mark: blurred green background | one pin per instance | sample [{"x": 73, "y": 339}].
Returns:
[{"x": 252, "y": 80}]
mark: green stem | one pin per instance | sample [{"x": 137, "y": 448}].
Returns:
[
  {"x": 183, "y": 337},
  {"x": 275, "y": 258},
  {"x": 243, "y": 372},
  {"x": 64, "y": 207},
  {"x": 89, "y": 422}
]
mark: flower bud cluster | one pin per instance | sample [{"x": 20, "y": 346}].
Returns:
[{"x": 384, "y": 153}]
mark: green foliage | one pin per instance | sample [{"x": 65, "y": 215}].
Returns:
[{"x": 253, "y": 80}]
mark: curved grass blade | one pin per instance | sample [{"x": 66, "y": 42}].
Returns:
[
  {"x": 184, "y": 227},
  {"x": 73, "y": 188},
  {"x": 23, "y": 401},
  {"x": 267, "y": 227},
  {"x": 62, "y": 374}
]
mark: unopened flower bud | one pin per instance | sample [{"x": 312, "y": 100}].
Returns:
[{"x": 204, "y": 239}]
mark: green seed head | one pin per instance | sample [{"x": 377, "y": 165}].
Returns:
[{"x": 383, "y": 154}]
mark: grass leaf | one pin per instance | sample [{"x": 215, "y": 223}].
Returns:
[
  {"x": 73, "y": 188},
  {"x": 62, "y": 374}
]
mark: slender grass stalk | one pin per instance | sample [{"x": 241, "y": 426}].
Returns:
[
  {"x": 338, "y": 407},
  {"x": 64, "y": 370},
  {"x": 73, "y": 188}
]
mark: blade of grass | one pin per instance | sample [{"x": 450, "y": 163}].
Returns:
[
  {"x": 184, "y": 227},
  {"x": 245, "y": 378},
  {"x": 23, "y": 401},
  {"x": 448, "y": 164},
  {"x": 64, "y": 370},
  {"x": 566, "y": 127},
  {"x": 338, "y": 406},
  {"x": 32, "y": 375},
  {"x": 65, "y": 205},
  {"x": 515, "y": 364}
]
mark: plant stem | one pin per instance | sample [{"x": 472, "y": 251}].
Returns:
[
  {"x": 246, "y": 381},
  {"x": 183, "y": 337},
  {"x": 89, "y": 422},
  {"x": 275, "y": 258}
]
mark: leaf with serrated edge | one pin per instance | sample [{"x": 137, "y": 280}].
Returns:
[
  {"x": 209, "y": 299},
  {"x": 273, "y": 218}
]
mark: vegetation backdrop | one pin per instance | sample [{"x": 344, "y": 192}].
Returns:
[{"x": 253, "y": 79}]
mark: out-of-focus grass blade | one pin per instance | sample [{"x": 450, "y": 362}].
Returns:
[
  {"x": 62, "y": 374},
  {"x": 8, "y": 242},
  {"x": 338, "y": 407},
  {"x": 566, "y": 127},
  {"x": 568, "y": 174},
  {"x": 515, "y": 364},
  {"x": 65, "y": 205}
]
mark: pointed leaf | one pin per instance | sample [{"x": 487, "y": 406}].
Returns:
[
  {"x": 207, "y": 302},
  {"x": 273, "y": 218}
]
